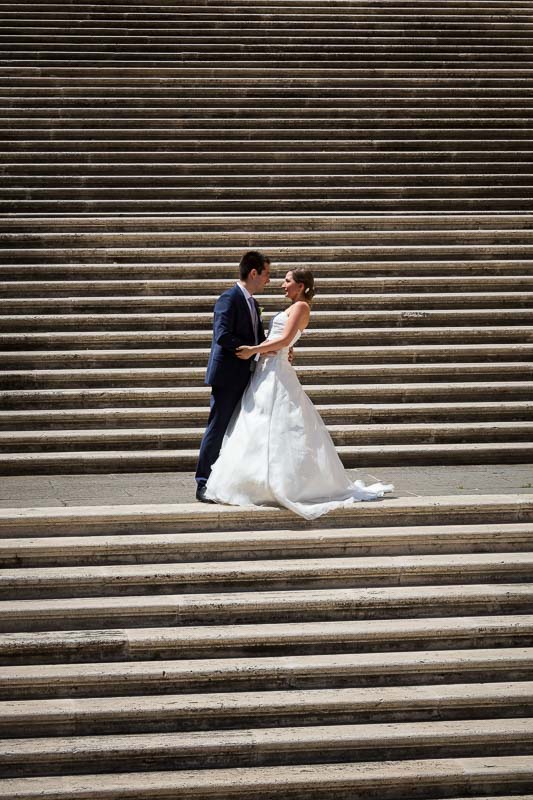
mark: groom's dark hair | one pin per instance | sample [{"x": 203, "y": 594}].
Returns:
[{"x": 253, "y": 259}]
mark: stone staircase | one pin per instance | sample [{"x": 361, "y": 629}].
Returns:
[
  {"x": 218, "y": 653},
  {"x": 419, "y": 351},
  {"x": 214, "y": 652},
  {"x": 146, "y": 146}
]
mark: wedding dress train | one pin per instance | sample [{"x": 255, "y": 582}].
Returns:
[{"x": 277, "y": 450}]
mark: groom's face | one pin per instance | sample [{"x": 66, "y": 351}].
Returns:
[{"x": 260, "y": 279}]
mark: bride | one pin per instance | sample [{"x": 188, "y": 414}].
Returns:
[{"x": 277, "y": 450}]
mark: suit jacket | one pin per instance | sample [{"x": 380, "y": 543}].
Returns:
[{"x": 232, "y": 327}]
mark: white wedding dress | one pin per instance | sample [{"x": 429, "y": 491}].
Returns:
[{"x": 277, "y": 450}]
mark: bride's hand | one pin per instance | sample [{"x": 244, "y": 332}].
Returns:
[{"x": 244, "y": 352}]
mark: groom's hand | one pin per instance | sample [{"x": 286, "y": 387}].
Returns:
[
  {"x": 290, "y": 356},
  {"x": 244, "y": 352}
]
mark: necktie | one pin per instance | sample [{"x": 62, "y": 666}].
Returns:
[{"x": 253, "y": 311}]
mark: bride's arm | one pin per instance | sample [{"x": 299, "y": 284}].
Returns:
[{"x": 298, "y": 319}]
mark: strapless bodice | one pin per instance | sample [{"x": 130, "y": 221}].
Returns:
[{"x": 277, "y": 326}]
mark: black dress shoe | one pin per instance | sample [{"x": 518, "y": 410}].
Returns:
[{"x": 200, "y": 494}]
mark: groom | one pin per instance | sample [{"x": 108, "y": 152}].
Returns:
[{"x": 237, "y": 321}]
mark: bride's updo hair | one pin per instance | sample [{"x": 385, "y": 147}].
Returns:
[{"x": 305, "y": 276}]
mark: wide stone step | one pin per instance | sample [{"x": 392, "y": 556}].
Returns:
[
  {"x": 517, "y": 251},
  {"x": 229, "y": 6},
  {"x": 123, "y": 100},
  {"x": 121, "y": 126},
  {"x": 198, "y": 396},
  {"x": 79, "y": 520},
  {"x": 397, "y": 778},
  {"x": 106, "y": 24},
  {"x": 57, "y": 630},
  {"x": 66, "y": 55},
  {"x": 188, "y": 11},
  {"x": 261, "y": 673},
  {"x": 183, "y": 460},
  {"x": 507, "y": 773},
  {"x": 400, "y": 338},
  {"x": 65, "y": 359},
  {"x": 371, "y": 186},
  {"x": 73, "y": 179},
  {"x": 341, "y": 269},
  {"x": 39, "y": 101},
  {"x": 193, "y": 287},
  {"x": 145, "y": 247},
  {"x": 343, "y": 435},
  {"x": 276, "y": 128},
  {"x": 138, "y": 105},
  {"x": 285, "y": 23},
  {"x": 191, "y": 27},
  {"x": 316, "y": 230},
  {"x": 43, "y": 107},
  {"x": 262, "y": 158},
  {"x": 250, "y": 545},
  {"x": 28, "y": 718},
  {"x": 246, "y": 147},
  {"x": 70, "y": 755},
  {"x": 139, "y": 53},
  {"x": 233, "y": 748},
  {"x": 369, "y": 164},
  {"x": 426, "y": 12},
  {"x": 89, "y": 130},
  {"x": 306, "y": 223},
  {"x": 386, "y": 199},
  {"x": 409, "y": 188},
  {"x": 126, "y": 579},
  {"x": 462, "y": 204},
  {"x": 231, "y": 188},
  {"x": 321, "y": 319},
  {"x": 231, "y": 34},
  {"x": 233, "y": 61},
  {"x": 299, "y": 52},
  {"x": 260, "y": 162},
  {"x": 335, "y": 374},
  {"x": 268, "y": 76},
  {"x": 340, "y": 413},
  {"x": 313, "y": 85}
]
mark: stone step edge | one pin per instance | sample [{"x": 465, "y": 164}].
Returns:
[
  {"x": 182, "y": 671},
  {"x": 209, "y": 575},
  {"x": 203, "y": 642},
  {"x": 260, "y": 541},
  {"x": 194, "y": 373},
  {"x": 304, "y": 350},
  {"x": 462, "y": 774},
  {"x": 97, "y": 220},
  {"x": 94, "y": 436},
  {"x": 445, "y": 269},
  {"x": 198, "y": 414},
  {"x": 188, "y": 516},
  {"x": 90, "y": 286},
  {"x": 43, "y": 752},
  {"x": 271, "y": 299},
  {"x": 203, "y": 335},
  {"x": 379, "y": 455},
  {"x": 317, "y": 390},
  {"x": 439, "y": 696}
]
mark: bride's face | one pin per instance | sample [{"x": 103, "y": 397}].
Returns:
[{"x": 292, "y": 289}]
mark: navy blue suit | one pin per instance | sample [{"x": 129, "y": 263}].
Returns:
[{"x": 227, "y": 375}]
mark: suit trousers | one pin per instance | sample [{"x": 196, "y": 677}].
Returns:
[{"x": 224, "y": 400}]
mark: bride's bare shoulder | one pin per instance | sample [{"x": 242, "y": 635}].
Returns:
[
  {"x": 301, "y": 311},
  {"x": 299, "y": 307}
]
